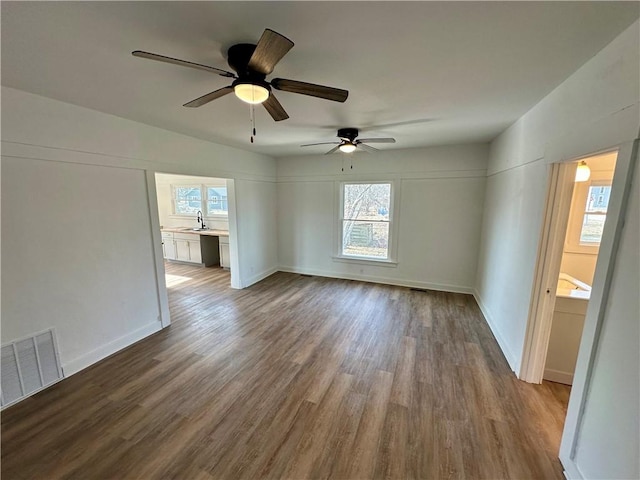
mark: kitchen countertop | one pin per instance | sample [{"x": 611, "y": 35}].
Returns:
[{"x": 211, "y": 233}]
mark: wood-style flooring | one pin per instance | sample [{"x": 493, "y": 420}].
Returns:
[{"x": 295, "y": 377}]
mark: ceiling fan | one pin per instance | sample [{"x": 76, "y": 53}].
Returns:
[
  {"x": 348, "y": 142},
  {"x": 252, "y": 63}
]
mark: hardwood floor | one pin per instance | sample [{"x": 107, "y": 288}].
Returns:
[{"x": 295, "y": 377}]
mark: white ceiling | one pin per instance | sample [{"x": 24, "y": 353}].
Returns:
[{"x": 426, "y": 73}]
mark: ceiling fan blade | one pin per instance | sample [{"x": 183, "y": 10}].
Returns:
[
  {"x": 270, "y": 49},
  {"x": 311, "y": 89},
  {"x": 272, "y": 105},
  {"x": 366, "y": 148},
  {"x": 198, "y": 102},
  {"x": 378, "y": 140},
  {"x": 322, "y": 143},
  {"x": 184, "y": 63},
  {"x": 333, "y": 150}
]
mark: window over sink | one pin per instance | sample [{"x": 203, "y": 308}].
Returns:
[{"x": 211, "y": 200}]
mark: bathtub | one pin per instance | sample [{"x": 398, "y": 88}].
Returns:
[{"x": 569, "y": 287}]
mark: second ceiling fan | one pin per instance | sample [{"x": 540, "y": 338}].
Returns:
[
  {"x": 349, "y": 142},
  {"x": 252, "y": 63}
]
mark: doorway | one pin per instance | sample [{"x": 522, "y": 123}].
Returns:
[
  {"x": 550, "y": 252},
  {"x": 571, "y": 243},
  {"x": 583, "y": 234},
  {"x": 194, "y": 224}
]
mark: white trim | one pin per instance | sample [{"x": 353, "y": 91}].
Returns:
[
  {"x": 382, "y": 262},
  {"x": 156, "y": 244},
  {"x": 571, "y": 470},
  {"x": 549, "y": 257},
  {"x": 247, "y": 282},
  {"x": 234, "y": 236},
  {"x": 502, "y": 343},
  {"x": 66, "y": 155},
  {"x": 398, "y": 282},
  {"x": 382, "y": 177},
  {"x": 103, "y": 351}
]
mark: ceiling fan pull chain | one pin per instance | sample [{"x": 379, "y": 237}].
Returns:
[{"x": 252, "y": 115}]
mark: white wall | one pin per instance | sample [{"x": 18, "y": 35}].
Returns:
[
  {"x": 512, "y": 215},
  {"x": 89, "y": 271},
  {"x": 73, "y": 261},
  {"x": 594, "y": 109},
  {"x": 257, "y": 230},
  {"x": 441, "y": 193}
]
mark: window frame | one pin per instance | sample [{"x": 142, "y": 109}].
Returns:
[
  {"x": 174, "y": 198},
  {"x": 572, "y": 242},
  {"x": 204, "y": 192},
  {"x": 390, "y": 260},
  {"x": 206, "y": 212}
]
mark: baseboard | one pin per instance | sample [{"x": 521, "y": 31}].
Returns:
[
  {"x": 571, "y": 470},
  {"x": 443, "y": 287},
  {"x": 506, "y": 351},
  {"x": 558, "y": 376},
  {"x": 88, "y": 359},
  {"x": 257, "y": 277}
]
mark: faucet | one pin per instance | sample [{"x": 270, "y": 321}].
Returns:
[{"x": 200, "y": 220}]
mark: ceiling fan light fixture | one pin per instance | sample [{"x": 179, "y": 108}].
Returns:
[
  {"x": 250, "y": 92},
  {"x": 347, "y": 147}
]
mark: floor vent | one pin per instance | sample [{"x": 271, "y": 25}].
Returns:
[
  {"x": 305, "y": 275},
  {"x": 421, "y": 290},
  {"x": 29, "y": 365}
]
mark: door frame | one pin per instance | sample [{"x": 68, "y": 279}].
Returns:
[
  {"x": 621, "y": 189},
  {"x": 550, "y": 250},
  {"x": 154, "y": 216},
  {"x": 547, "y": 269}
]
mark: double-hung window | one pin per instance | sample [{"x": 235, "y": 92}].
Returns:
[
  {"x": 217, "y": 203},
  {"x": 366, "y": 220},
  {"x": 588, "y": 214},
  {"x": 187, "y": 199}
]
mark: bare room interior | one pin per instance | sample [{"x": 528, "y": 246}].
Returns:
[{"x": 338, "y": 240}]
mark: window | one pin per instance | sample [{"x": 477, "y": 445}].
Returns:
[
  {"x": 594, "y": 215},
  {"x": 588, "y": 215},
  {"x": 217, "y": 201},
  {"x": 366, "y": 220},
  {"x": 189, "y": 199}
]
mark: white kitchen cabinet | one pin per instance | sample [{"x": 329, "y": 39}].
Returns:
[
  {"x": 225, "y": 259},
  {"x": 187, "y": 247},
  {"x": 168, "y": 246}
]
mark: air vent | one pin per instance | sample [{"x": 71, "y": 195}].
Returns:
[{"x": 29, "y": 365}]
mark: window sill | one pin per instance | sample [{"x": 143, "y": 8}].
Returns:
[{"x": 365, "y": 261}]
